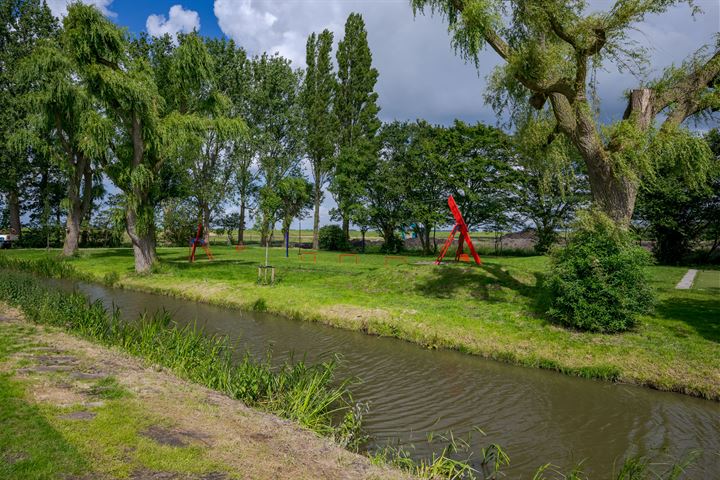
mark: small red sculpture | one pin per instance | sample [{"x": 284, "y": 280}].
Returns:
[
  {"x": 460, "y": 226},
  {"x": 198, "y": 240}
]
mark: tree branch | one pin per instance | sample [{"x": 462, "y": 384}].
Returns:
[
  {"x": 684, "y": 96},
  {"x": 63, "y": 140}
]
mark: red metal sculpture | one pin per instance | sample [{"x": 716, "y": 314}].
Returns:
[
  {"x": 198, "y": 240},
  {"x": 460, "y": 226}
]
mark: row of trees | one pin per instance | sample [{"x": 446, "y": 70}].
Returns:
[
  {"x": 173, "y": 121},
  {"x": 184, "y": 127}
]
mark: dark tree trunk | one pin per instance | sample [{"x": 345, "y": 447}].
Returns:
[
  {"x": 316, "y": 217},
  {"x": 426, "y": 234},
  {"x": 79, "y": 206},
  {"x": 205, "y": 218},
  {"x": 389, "y": 244},
  {"x": 362, "y": 232},
  {"x": 346, "y": 227},
  {"x": 72, "y": 232},
  {"x": 14, "y": 213},
  {"x": 143, "y": 242},
  {"x": 614, "y": 195},
  {"x": 241, "y": 225},
  {"x": 612, "y": 191}
]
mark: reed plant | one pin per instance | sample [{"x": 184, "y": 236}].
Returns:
[
  {"x": 305, "y": 393},
  {"x": 46, "y": 266}
]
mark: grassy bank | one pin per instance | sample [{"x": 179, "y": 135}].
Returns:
[
  {"x": 306, "y": 394},
  {"x": 71, "y": 408},
  {"x": 493, "y": 310}
]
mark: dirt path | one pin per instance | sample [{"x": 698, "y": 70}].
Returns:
[{"x": 131, "y": 420}]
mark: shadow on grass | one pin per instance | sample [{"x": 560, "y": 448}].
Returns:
[
  {"x": 702, "y": 315},
  {"x": 122, "y": 252},
  {"x": 30, "y": 448},
  {"x": 482, "y": 282}
]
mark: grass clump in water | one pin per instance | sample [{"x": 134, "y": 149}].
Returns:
[{"x": 297, "y": 391}]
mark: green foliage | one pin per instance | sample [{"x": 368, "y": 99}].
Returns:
[
  {"x": 295, "y": 198},
  {"x": 23, "y": 155},
  {"x": 333, "y": 238},
  {"x": 598, "y": 282},
  {"x": 549, "y": 181},
  {"x": 357, "y": 113},
  {"x": 319, "y": 125},
  {"x": 681, "y": 204},
  {"x": 551, "y": 52},
  {"x": 179, "y": 222},
  {"x": 307, "y": 394},
  {"x": 480, "y": 172}
]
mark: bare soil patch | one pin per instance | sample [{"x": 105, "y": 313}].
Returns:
[{"x": 81, "y": 415}]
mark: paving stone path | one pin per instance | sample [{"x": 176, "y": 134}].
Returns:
[{"x": 687, "y": 281}]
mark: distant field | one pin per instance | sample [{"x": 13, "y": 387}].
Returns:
[{"x": 485, "y": 239}]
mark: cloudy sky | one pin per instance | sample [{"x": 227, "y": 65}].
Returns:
[{"x": 420, "y": 76}]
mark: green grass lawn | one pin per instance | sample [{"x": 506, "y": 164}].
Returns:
[
  {"x": 707, "y": 280},
  {"x": 494, "y": 310}
]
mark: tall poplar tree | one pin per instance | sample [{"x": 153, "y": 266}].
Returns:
[
  {"x": 233, "y": 73},
  {"x": 274, "y": 137},
  {"x": 319, "y": 120},
  {"x": 357, "y": 112}
]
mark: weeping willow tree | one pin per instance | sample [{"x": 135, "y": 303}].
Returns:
[
  {"x": 136, "y": 133},
  {"x": 209, "y": 128},
  {"x": 550, "y": 50},
  {"x": 60, "y": 125}
]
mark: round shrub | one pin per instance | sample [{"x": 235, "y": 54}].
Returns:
[
  {"x": 331, "y": 237},
  {"x": 598, "y": 281}
]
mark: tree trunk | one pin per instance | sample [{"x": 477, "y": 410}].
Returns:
[
  {"x": 362, "y": 231},
  {"x": 72, "y": 232},
  {"x": 79, "y": 206},
  {"x": 316, "y": 217},
  {"x": 346, "y": 227},
  {"x": 14, "y": 213},
  {"x": 388, "y": 234},
  {"x": 615, "y": 196},
  {"x": 241, "y": 225},
  {"x": 613, "y": 192},
  {"x": 426, "y": 234},
  {"x": 205, "y": 213},
  {"x": 143, "y": 243}
]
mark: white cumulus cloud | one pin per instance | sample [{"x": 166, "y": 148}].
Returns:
[
  {"x": 59, "y": 7},
  {"x": 178, "y": 20},
  {"x": 277, "y": 26}
]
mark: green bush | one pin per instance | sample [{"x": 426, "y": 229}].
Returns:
[
  {"x": 332, "y": 237},
  {"x": 598, "y": 281}
]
